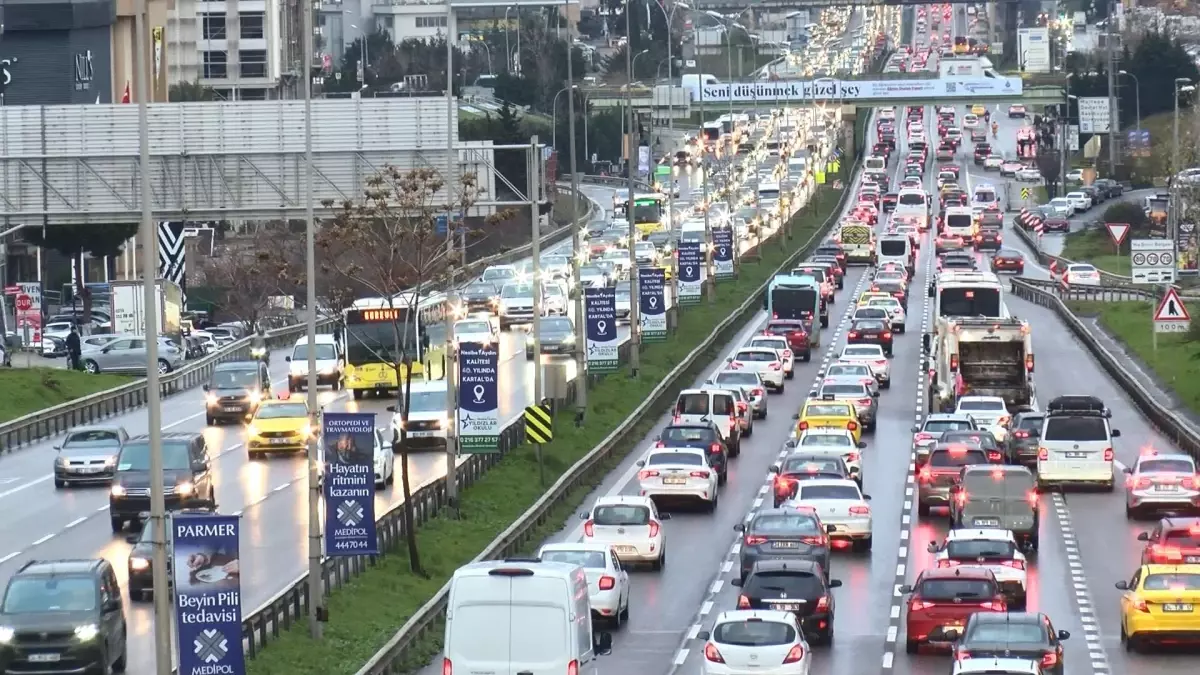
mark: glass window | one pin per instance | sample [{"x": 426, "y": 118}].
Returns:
[
  {"x": 92, "y": 436},
  {"x": 253, "y": 62},
  {"x": 827, "y": 410},
  {"x": 213, "y": 26},
  {"x": 216, "y": 65},
  {"x": 1076, "y": 429},
  {"x": 736, "y": 378},
  {"x": 324, "y": 352},
  {"x": 234, "y": 379},
  {"x": 251, "y": 25},
  {"x": 427, "y": 401},
  {"x": 588, "y": 559},
  {"x": 1168, "y": 465},
  {"x": 754, "y": 633},
  {"x": 697, "y": 435},
  {"x": 791, "y": 523},
  {"x": 828, "y": 492},
  {"x": 981, "y": 405},
  {"x": 692, "y": 404},
  {"x": 282, "y": 411},
  {"x": 948, "y": 458},
  {"x": 1010, "y": 631},
  {"x": 963, "y": 589},
  {"x": 686, "y": 458},
  {"x": 35, "y": 595},
  {"x": 863, "y": 351},
  {"x": 621, "y": 514},
  {"x": 796, "y": 585},
  {"x": 826, "y": 440},
  {"x": 1172, "y": 582},
  {"x": 981, "y": 548}
]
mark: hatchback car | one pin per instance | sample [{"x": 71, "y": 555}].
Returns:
[
  {"x": 88, "y": 455},
  {"x": 782, "y": 534},
  {"x": 1008, "y": 260},
  {"x": 941, "y": 601},
  {"x": 797, "y": 586},
  {"x": 1026, "y": 635}
]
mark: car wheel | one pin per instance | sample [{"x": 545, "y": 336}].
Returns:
[
  {"x": 922, "y": 509},
  {"x": 123, "y": 660},
  {"x": 60, "y": 483},
  {"x": 659, "y": 564},
  {"x": 118, "y": 524},
  {"x": 163, "y": 367},
  {"x": 91, "y": 366},
  {"x": 861, "y": 545},
  {"x": 911, "y": 646}
]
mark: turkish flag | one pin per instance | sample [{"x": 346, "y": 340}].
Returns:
[{"x": 126, "y": 97}]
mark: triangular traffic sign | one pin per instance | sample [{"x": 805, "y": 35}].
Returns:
[
  {"x": 1171, "y": 308},
  {"x": 1117, "y": 231}
]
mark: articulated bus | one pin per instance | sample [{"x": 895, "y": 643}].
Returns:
[
  {"x": 790, "y": 296},
  {"x": 369, "y": 336},
  {"x": 649, "y": 213}
]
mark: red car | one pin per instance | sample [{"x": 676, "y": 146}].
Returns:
[
  {"x": 942, "y": 599},
  {"x": 1007, "y": 260},
  {"x": 1173, "y": 541},
  {"x": 839, "y": 272},
  {"x": 871, "y": 332},
  {"x": 797, "y": 333}
]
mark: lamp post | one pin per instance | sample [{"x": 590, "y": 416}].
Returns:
[
  {"x": 1137, "y": 95},
  {"x": 581, "y": 382},
  {"x": 635, "y": 352},
  {"x": 730, "y": 22},
  {"x": 362, "y": 56},
  {"x": 670, "y": 16},
  {"x": 1182, "y": 85},
  {"x": 554, "y": 114},
  {"x": 508, "y": 53}
]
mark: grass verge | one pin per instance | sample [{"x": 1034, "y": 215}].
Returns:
[
  {"x": 368, "y": 611},
  {"x": 28, "y": 390},
  {"x": 1096, "y": 247},
  {"x": 1174, "y": 363}
]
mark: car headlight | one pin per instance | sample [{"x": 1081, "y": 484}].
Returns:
[
  {"x": 255, "y": 396},
  {"x": 6, "y": 635},
  {"x": 251, "y": 430},
  {"x": 211, "y": 399},
  {"x": 111, "y": 461},
  {"x": 569, "y": 340},
  {"x": 138, "y": 563},
  {"x": 60, "y": 461},
  {"x": 88, "y": 632},
  {"x": 185, "y": 488},
  {"x": 117, "y": 491}
]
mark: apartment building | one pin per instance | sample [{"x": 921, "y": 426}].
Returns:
[{"x": 245, "y": 50}]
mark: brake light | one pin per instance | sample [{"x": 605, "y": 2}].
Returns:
[
  {"x": 1169, "y": 554},
  {"x": 700, "y": 474},
  {"x": 754, "y": 540},
  {"x": 660, "y": 444},
  {"x": 589, "y": 529},
  {"x": 647, "y": 473},
  {"x": 852, "y": 334},
  {"x": 922, "y": 437},
  {"x": 573, "y": 667},
  {"x": 961, "y": 497},
  {"x": 654, "y": 528},
  {"x": 1142, "y": 483},
  {"x": 803, "y": 425},
  {"x": 1108, "y": 454},
  {"x": 1032, "y": 498},
  {"x": 962, "y": 655},
  {"x": 795, "y": 654},
  {"x": 926, "y": 475},
  {"x": 1140, "y": 605},
  {"x": 1043, "y": 454},
  {"x": 864, "y": 401},
  {"x": 1003, "y": 421},
  {"x": 1188, "y": 483},
  {"x": 814, "y": 541},
  {"x": 860, "y": 510},
  {"x": 887, "y": 335},
  {"x": 607, "y": 583},
  {"x": 978, "y": 238},
  {"x": 757, "y": 392},
  {"x": 994, "y": 456},
  {"x": 954, "y": 362},
  {"x": 919, "y": 605},
  {"x": 741, "y": 406},
  {"x": 852, "y": 425},
  {"x": 1049, "y": 659},
  {"x": 881, "y": 362},
  {"x": 447, "y": 667},
  {"x": 1015, "y": 564},
  {"x": 787, "y": 353},
  {"x": 944, "y": 563},
  {"x": 823, "y": 604},
  {"x": 735, "y": 365},
  {"x": 994, "y": 605},
  {"x": 1020, "y": 434},
  {"x": 852, "y": 457},
  {"x": 775, "y": 366}
]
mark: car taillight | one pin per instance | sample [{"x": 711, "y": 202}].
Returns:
[
  {"x": 887, "y": 335},
  {"x": 1032, "y": 498},
  {"x": 654, "y": 528},
  {"x": 1015, "y": 564},
  {"x": 922, "y": 437},
  {"x": 919, "y": 605},
  {"x": 954, "y": 362},
  {"x": 775, "y": 366},
  {"x": 787, "y": 353},
  {"x": 864, "y": 401},
  {"x": 1049, "y": 659},
  {"x": 1140, "y": 605},
  {"x": 700, "y": 474},
  {"x": 607, "y": 583},
  {"x": 962, "y": 655},
  {"x": 852, "y": 425},
  {"x": 852, "y": 457},
  {"x": 926, "y": 475},
  {"x": 993, "y": 456},
  {"x": 1043, "y": 454},
  {"x": 573, "y": 667},
  {"x": 1188, "y": 483},
  {"x": 961, "y": 497},
  {"x": 997, "y": 605},
  {"x": 447, "y": 667},
  {"x": 647, "y": 473},
  {"x": 802, "y": 426},
  {"x": 852, "y": 334},
  {"x": 814, "y": 541},
  {"x": 944, "y": 563},
  {"x": 795, "y": 654},
  {"x": 710, "y": 650},
  {"x": 757, "y": 392},
  {"x": 743, "y": 602},
  {"x": 741, "y": 406},
  {"x": 589, "y": 529},
  {"x": 735, "y": 365},
  {"x": 1020, "y": 434},
  {"x": 823, "y": 604},
  {"x": 660, "y": 444},
  {"x": 860, "y": 510},
  {"x": 1108, "y": 454}
]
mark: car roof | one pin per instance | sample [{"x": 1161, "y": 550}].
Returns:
[
  {"x": 1009, "y": 617},
  {"x": 797, "y": 565},
  {"x": 237, "y": 365},
  {"x": 980, "y": 534},
  {"x": 969, "y": 571},
  {"x": 60, "y": 567}
]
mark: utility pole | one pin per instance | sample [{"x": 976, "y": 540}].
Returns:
[
  {"x": 581, "y": 381},
  {"x": 163, "y": 619},
  {"x": 535, "y": 183},
  {"x": 450, "y": 361},
  {"x": 1114, "y": 103},
  {"x": 635, "y": 355}
]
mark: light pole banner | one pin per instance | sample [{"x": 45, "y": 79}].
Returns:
[
  {"x": 600, "y": 310},
  {"x": 348, "y": 440},
  {"x": 723, "y": 253},
  {"x": 691, "y": 272},
  {"x": 652, "y": 301},
  {"x": 206, "y": 575},
  {"x": 478, "y": 398}
]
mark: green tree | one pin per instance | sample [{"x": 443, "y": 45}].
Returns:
[
  {"x": 72, "y": 241},
  {"x": 1131, "y": 213},
  {"x": 186, "y": 92},
  {"x": 504, "y": 128}
]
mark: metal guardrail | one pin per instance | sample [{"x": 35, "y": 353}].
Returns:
[
  {"x": 56, "y": 420},
  {"x": 429, "y": 620},
  {"x": 1169, "y": 423}
]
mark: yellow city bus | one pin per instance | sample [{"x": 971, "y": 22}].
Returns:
[
  {"x": 369, "y": 329},
  {"x": 650, "y": 213}
]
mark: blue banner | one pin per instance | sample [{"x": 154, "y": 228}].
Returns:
[
  {"x": 603, "y": 347},
  {"x": 478, "y": 398},
  {"x": 691, "y": 272},
  {"x": 348, "y": 441},
  {"x": 206, "y": 574},
  {"x": 652, "y": 301},
  {"x": 723, "y": 253}
]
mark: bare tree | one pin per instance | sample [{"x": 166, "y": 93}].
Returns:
[
  {"x": 387, "y": 244},
  {"x": 252, "y": 273}
]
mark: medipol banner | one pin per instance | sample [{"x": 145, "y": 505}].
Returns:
[
  {"x": 600, "y": 309},
  {"x": 652, "y": 303},
  {"x": 478, "y": 398},
  {"x": 348, "y": 440},
  {"x": 206, "y": 572},
  {"x": 723, "y": 253},
  {"x": 691, "y": 272}
]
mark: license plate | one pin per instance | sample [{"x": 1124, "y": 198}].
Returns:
[
  {"x": 420, "y": 434},
  {"x": 674, "y": 481},
  {"x": 91, "y": 469},
  {"x": 626, "y": 550},
  {"x": 1191, "y": 559},
  {"x": 381, "y": 386},
  {"x": 1076, "y": 455},
  {"x": 1176, "y": 607},
  {"x": 45, "y": 658},
  {"x": 786, "y": 606},
  {"x": 1165, "y": 488},
  {"x": 987, "y": 522},
  {"x": 785, "y": 544},
  {"x": 278, "y": 441},
  {"x": 232, "y": 409}
]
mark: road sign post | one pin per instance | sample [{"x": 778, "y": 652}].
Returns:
[
  {"x": 1152, "y": 261},
  {"x": 1171, "y": 316},
  {"x": 1117, "y": 231}
]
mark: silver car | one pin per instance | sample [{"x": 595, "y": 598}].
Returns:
[
  {"x": 88, "y": 455},
  {"x": 928, "y": 433},
  {"x": 851, "y": 371},
  {"x": 749, "y": 383},
  {"x": 866, "y": 402},
  {"x": 1160, "y": 482},
  {"x": 127, "y": 354}
]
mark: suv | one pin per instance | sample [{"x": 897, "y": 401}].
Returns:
[
  {"x": 997, "y": 496},
  {"x": 797, "y": 586},
  {"x": 64, "y": 616},
  {"x": 699, "y": 406},
  {"x": 1076, "y": 443},
  {"x": 187, "y": 476},
  {"x": 938, "y": 476},
  {"x": 234, "y": 390},
  {"x": 141, "y": 557}
]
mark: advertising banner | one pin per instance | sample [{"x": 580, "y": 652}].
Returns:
[
  {"x": 28, "y": 306},
  {"x": 478, "y": 398},
  {"x": 652, "y": 301},
  {"x": 600, "y": 309},
  {"x": 691, "y": 272},
  {"x": 829, "y": 89},
  {"x": 348, "y": 441},
  {"x": 206, "y": 573},
  {"x": 723, "y": 253}
]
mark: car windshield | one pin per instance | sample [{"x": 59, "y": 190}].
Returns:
[
  {"x": 826, "y": 410},
  {"x": 245, "y": 378},
  {"x": 863, "y": 351},
  {"x": 828, "y": 492},
  {"x": 1006, "y": 632},
  {"x": 44, "y": 594},
  {"x": 957, "y": 589},
  {"x": 427, "y": 401},
  {"x": 621, "y": 514},
  {"x": 499, "y": 274},
  {"x": 685, "y": 458},
  {"x": 517, "y": 291},
  {"x": 1076, "y": 429},
  {"x": 769, "y": 343},
  {"x": 480, "y": 289},
  {"x": 697, "y": 435},
  {"x": 754, "y": 633},
  {"x": 790, "y": 523},
  {"x": 586, "y": 559},
  {"x": 812, "y": 465},
  {"x": 472, "y": 327},
  {"x": 1166, "y": 465},
  {"x": 846, "y": 370},
  {"x": 794, "y": 584},
  {"x": 957, "y": 457},
  {"x": 556, "y": 326},
  {"x": 93, "y": 436},
  {"x": 756, "y": 356},
  {"x": 1172, "y": 582},
  {"x": 281, "y": 411},
  {"x": 136, "y": 457},
  {"x": 736, "y": 378},
  {"x": 980, "y": 548},
  {"x": 869, "y": 326},
  {"x": 692, "y": 404},
  {"x": 942, "y": 426},
  {"x": 324, "y": 352}
]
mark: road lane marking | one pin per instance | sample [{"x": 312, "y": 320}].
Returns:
[{"x": 1083, "y": 598}]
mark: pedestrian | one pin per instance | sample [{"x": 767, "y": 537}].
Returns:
[{"x": 73, "y": 348}]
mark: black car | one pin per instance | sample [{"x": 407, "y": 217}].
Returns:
[
  {"x": 704, "y": 436},
  {"x": 798, "y": 333},
  {"x": 783, "y": 534},
  {"x": 141, "y": 557},
  {"x": 834, "y": 250},
  {"x": 1023, "y": 436},
  {"x": 557, "y": 336},
  {"x": 801, "y": 466},
  {"x": 984, "y": 440},
  {"x": 234, "y": 391},
  {"x": 989, "y": 238},
  {"x": 187, "y": 476},
  {"x": 870, "y": 332},
  {"x": 982, "y": 150},
  {"x": 66, "y": 616},
  {"x": 798, "y": 586},
  {"x": 481, "y": 297},
  {"x": 889, "y": 201},
  {"x": 1019, "y": 635}
]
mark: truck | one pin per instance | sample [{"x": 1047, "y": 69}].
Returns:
[
  {"x": 858, "y": 241},
  {"x": 129, "y": 308},
  {"x": 981, "y": 356}
]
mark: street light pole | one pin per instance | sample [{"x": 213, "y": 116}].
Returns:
[
  {"x": 581, "y": 381},
  {"x": 1182, "y": 84},
  {"x": 450, "y": 360},
  {"x": 1137, "y": 95},
  {"x": 635, "y": 354}
]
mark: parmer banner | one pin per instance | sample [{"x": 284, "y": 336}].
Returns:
[{"x": 969, "y": 88}]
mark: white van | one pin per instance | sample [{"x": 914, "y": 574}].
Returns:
[
  {"x": 960, "y": 222},
  {"x": 895, "y": 248},
  {"x": 875, "y": 163},
  {"x": 700, "y": 406},
  {"x": 986, "y": 196},
  {"x": 521, "y": 616},
  {"x": 428, "y": 416},
  {"x": 1076, "y": 444},
  {"x": 331, "y": 363}
]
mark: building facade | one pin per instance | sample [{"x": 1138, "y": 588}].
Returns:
[
  {"x": 245, "y": 50},
  {"x": 56, "y": 52}
]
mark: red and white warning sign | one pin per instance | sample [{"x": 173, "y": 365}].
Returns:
[
  {"x": 1117, "y": 231},
  {"x": 1171, "y": 316}
]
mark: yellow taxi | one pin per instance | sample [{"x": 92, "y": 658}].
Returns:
[
  {"x": 279, "y": 426},
  {"x": 948, "y": 186},
  {"x": 828, "y": 413},
  {"x": 978, "y": 110},
  {"x": 1161, "y": 603},
  {"x": 866, "y": 297}
]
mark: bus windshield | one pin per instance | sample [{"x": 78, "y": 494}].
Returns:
[
  {"x": 373, "y": 341},
  {"x": 970, "y": 302},
  {"x": 647, "y": 210}
]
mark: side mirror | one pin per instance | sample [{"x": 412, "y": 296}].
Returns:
[
  {"x": 205, "y": 387},
  {"x": 132, "y": 539},
  {"x": 866, "y": 498},
  {"x": 796, "y": 416},
  {"x": 729, "y": 360},
  {"x": 916, "y": 428},
  {"x": 709, "y": 381},
  {"x": 392, "y": 409},
  {"x": 862, "y": 445},
  {"x": 640, "y": 463},
  {"x": 835, "y": 583},
  {"x": 1143, "y": 536},
  {"x": 704, "y": 635},
  {"x": 774, "y": 469},
  {"x": 736, "y": 582},
  {"x": 1122, "y": 585},
  {"x": 932, "y": 547},
  {"x": 603, "y": 643},
  {"x": 906, "y": 589},
  {"x": 1128, "y": 470},
  {"x": 1064, "y": 635},
  {"x": 1116, "y": 433},
  {"x": 740, "y": 527},
  {"x": 830, "y": 529},
  {"x": 58, "y": 447},
  {"x": 790, "y": 444},
  {"x": 113, "y": 605},
  {"x": 288, "y": 359},
  {"x": 664, "y": 516},
  {"x": 875, "y": 394},
  {"x": 583, "y": 516}
]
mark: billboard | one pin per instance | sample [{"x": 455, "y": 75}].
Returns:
[
  {"x": 1033, "y": 49},
  {"x": 829, "y": 89}
]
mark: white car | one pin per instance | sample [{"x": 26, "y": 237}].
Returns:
[
  {"x": 633, "y": 527},
  {"x": 835, "y": 443},
  {"x": 1061, "y": 206},
  {"x": 751, "y": 386},
  {"x": 873, "y": 357},
  {"x": 592, "y": 276},
  {"x": 478, "y": 331},
  {"x": 645, "y": 252},
  {"x": 762, "y": 360},
  {"x": 516, "y": 304},
  {"x": 841, "y": 505},
  {"x": 556, "y": 266},
  {"x": 1080, "y": 201},
  {"x": 993, "y": 162},
  {"x": 499, "y": 274},
  {"x": 609, "y": 589},
  {"x": 1010, "y": 167},
  {"x": 989, "y": 412},
  {"x": 1008, "y": 666},
  {"x": 781, "y": 347},
  {"x": 385, "y": 459},
  {"x": 555, "y": 300},
  {"x": 1029, "y": 174},
  {"x": 1161, "y": 482},
  {"x": 1075, "y": 175},
  {"x": 991, "y": 548},
  {"x": 970, "y": 121},
  {"x": 895, "y": 311},
  {"x": 751, "y": 641},
  {"x": 681, "y": 474},
  {"x": 1082, "y": 274},
  {"x": 428, "y": 418}
]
